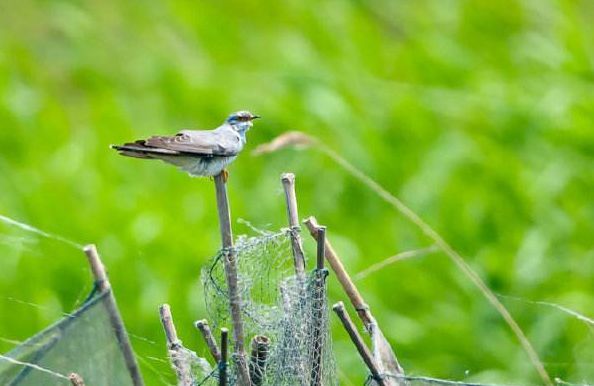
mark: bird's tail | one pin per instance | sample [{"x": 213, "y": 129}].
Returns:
[{"x": 130, "y": 150}]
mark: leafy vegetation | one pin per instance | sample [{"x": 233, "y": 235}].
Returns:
[{"x": 477, "y": 115}]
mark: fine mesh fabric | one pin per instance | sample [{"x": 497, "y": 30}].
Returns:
[
  {"x": 285, "y": 317},
  {"x": 83, "y": 342}
]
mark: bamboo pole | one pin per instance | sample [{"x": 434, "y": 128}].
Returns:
[
  {"x": 319, "y": 296},
  {"x": 117, "y": 323},
  {"x": 223, "y": 361},
  {"x": 364, "y": 352},
  {"x": 76, "y": 379},
  {"x": 169, "y": 327},
  {"x": 288, "y": 181},
  {"x": 231, "y": 276},
  {"x": 211, "y": 343},
  {"x": 259, "y": 357},
  {"x": 343, "y": 277}
]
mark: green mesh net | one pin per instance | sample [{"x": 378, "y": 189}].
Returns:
[
  {"x": 83, "y": 342},
  {"x": 285, "y": 317}
]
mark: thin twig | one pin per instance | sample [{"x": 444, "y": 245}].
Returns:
[
  {"x": 364, "y": 352},
  {"x": 209, "y": 339},
  {"x": 231, "y": 276},
  {"x": 115, "y": 318},
  {"x": 298, "y": 139}
]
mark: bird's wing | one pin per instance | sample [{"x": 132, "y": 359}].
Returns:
[{"x": 223, "y": 141}]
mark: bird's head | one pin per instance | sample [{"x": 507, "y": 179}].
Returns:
[{"x": 241, "y": 121}]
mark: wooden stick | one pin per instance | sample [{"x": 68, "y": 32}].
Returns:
[
  {"x": 211, "y": 343},
  {"x": 321, "y": 247},
  {"x": 343, "y": 276},
  {"x": 169, "y": 327},
  {"x": 259, "y": 356},
  {"x": 364, "y": 352},
  {"x": 319, "y": 296},
  {"x": 175, "y": 347},
  {"x": 76, "y": 379},
  {"x": 231, "y": 276},
  {"x": 117, "y": 323},
  {"x": 288, "y": 181},
  {"x": 223, "y": 361}
]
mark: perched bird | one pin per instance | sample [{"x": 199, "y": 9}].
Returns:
[{"x": 201, "y": 153}]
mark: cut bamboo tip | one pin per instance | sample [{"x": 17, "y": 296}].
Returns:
[
  {"x": 258, "y": 358},
  {"x": 288, "y": 178},
  {"x": 97, "y": 267},
  {"x": 76, "y": 380},
  {"x": 204, "y": 328},
  {"x": 168, "y": 326}
]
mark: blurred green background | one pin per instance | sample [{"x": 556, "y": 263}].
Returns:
[{"x": 477, "y": 114}]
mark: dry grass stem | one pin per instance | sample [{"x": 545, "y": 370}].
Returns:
[{"x": 394, "y": 259}]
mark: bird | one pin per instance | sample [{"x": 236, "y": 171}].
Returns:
[{"x": 200, "y": 153}]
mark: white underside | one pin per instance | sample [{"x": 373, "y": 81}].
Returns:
[{"x": 200, "y": 166}]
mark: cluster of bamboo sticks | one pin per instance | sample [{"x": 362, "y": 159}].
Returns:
[{"x": 252, "y": 372}]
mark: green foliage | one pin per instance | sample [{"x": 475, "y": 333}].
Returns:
[{"x": 477, "y": 114}]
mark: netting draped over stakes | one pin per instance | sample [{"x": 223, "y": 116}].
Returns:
[
  {"x": 88, "y": 346},
  {"x": 83, "y": 342},
  {"x": 277, "y": 305}
]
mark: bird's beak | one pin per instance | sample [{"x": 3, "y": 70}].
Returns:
[{"x": 255, "y": 117}]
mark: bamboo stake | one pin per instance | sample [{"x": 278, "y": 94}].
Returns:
[
  {"x": 223, "y": 361},
  {"x": 288, "y": 181},
  {"x": 211, "y": 343},
  {"x": 76, "y": 379},
  {"x": 319, "y": 288},
  {"x": 117, "y": 323},
  {"x": 364, "y": 352},
  {"x": 258, "y": 359},
  {"x": 169, "y": 327},
  {"x": 231, "y": 276},
  {"x": 175, "y": 347}
]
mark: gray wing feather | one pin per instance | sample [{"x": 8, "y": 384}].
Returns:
[{"x": 223, "y": 141}]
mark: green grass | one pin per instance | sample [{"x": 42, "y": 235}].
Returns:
[{"x": 479, "y": 116}]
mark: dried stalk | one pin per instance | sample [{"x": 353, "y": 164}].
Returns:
[
  {"x": 288, "y": 181},
  {"x": 364, "y": 352},
  {"x": 231, "y": 277},
  {"x": 319, "y": 288},
  {"x": 211, "y": 343},
  {"x": 224, "y": 355},
  {"x": 117, "y": 323},
  {"x": 259, "y": 356}
]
